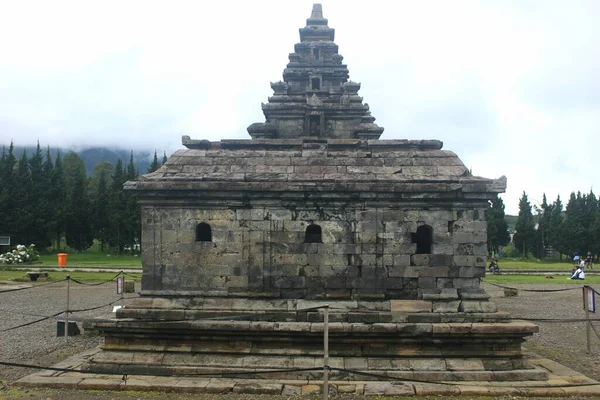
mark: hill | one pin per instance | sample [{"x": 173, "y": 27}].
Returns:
[{"x": 93, "y": 155}]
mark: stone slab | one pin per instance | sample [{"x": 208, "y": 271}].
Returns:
[
  {"x": 410, "y": 306},
  {"x": 561, "y": 381}
]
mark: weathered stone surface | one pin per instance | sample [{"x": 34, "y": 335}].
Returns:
[
  {"x": 389, "y": 389},
  {"x": 410, "y": 306},
  {"x": 308, "y": 390}
]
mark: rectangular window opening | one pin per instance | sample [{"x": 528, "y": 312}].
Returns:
[
  {"x": 316, "y": 54},
  {"x": 316, "y": 83},
  {"x": 315, "y": 125}
]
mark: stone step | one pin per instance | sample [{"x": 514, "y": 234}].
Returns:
[{"x": 425, "y": 375}]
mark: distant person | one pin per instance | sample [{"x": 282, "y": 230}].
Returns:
[
  {"x": 576, "y": 257},
  {"x": 589, "y": 260},
  {"x": 578, "y": 274},
  {"x": 582, "y": 264},
  {"x": 494, "y": 267}
]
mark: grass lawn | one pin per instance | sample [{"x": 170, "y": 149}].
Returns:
[
  {"x": 534, "y": 264},
  {"x": 592, "y": 280},
  {"x": 92, "y": 259},
  {"x": 57, "y": 276}
]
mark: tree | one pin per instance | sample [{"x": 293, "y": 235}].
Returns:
[
  {"x": 154, "y": 165},
  {"x": 498, "y": 234},
  {"x": 591, "y": 209},
  {"x": 132, "y": 210},
  {"x": 595, "y": 234},
  {"x": 58, "y": 199},
  {"x": 554, "y": 229},
  {"x": 8, "y": 201},
  {"x": 100, "y": 202},
  {"x": 116, "y": 201},
  {"x": 164, "y": 160},
  {"x": 78, "y": 230},
  {"x": 524, "y": 238},
  {"x": 38, "y": 200},
  {"x": 544, "y": 215},
  {"x": 23, "y": 213},
  {"x": 574, "y": 231}
]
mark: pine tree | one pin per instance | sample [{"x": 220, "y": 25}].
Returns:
[
  {"x": 132, "y": 210},
  {"x": 498, "y": 234},
  {"x": 47, "y": 171},
  {"x": 164, "y": 160},
  {"x": 78, "y": 230},
  {"x": 8, "y": 202},
  {"x": 39, "y": 211},
  {"x": 574, "y": 232},
  {"x": 58, "y": 201},
  {"x": 595, "y": 234},
  {"x": 524, "y": 238},
  {"x": 591, "y": 209},
  {"x": 99, "y": 188},
  {"x": 154, "y": 165},
  {"x": 116, "y": 233},
  {"x": 554, "y": 230},
  {"x": 22, "y": 193},
  {"x": 544, "y": 216}
]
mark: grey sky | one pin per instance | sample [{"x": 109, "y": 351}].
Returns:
[{"x": 513, "y": 87}]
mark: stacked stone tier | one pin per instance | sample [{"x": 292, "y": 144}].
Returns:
[{"x": 221, "y": 336}]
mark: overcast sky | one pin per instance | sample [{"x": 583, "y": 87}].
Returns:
[{"x": 513, "y": 87}]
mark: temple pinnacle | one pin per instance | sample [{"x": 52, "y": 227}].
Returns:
[{"x": 317, "y": 11}]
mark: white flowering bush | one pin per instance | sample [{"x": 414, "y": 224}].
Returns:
[{"x": 21, "y": 255}]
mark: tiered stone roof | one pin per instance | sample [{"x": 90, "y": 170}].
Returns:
[
  {"x": 406, "y": 169},
  {"x": 316, "y": 97}
]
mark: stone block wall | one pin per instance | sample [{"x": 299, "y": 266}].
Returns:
[{"x": 367, "y": 254}]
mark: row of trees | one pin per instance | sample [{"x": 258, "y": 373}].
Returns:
[
  {"x": 576, "y": 228},
  {"x": 43, "y": 200}
]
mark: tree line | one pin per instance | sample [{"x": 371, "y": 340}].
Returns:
[
  {"x": 45, "y": 200},
  {"x": 574, "y": 228}
]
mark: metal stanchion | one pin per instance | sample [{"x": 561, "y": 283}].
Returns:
[
  {"x": 588, "y": 323},
  {"x": 68, "y": 305},
  {"x": 326, "y": 352}
]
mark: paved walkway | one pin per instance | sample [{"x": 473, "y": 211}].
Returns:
[{"x": 562, "y": 381}]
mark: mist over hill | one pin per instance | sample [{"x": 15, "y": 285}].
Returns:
[{"x": 94, "y": 155}]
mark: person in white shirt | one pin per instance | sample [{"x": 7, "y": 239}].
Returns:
[
  {"x": 582, "y": 264},
  {"x": 578, "y": 274}
]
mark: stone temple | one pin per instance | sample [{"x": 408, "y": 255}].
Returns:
[{"x": 243, "y": 240}]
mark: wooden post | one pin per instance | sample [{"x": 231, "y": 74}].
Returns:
[{"x": 326, "y": 353}]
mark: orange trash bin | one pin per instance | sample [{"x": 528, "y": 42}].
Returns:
[{"x": 62, "y": 259}]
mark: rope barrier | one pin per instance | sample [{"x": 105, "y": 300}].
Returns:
[
  {"x": 104, "y": 305},
  {"x": 97, "y": 283},
  {"x": 385, "y": 377},
  {"x": 31, "y": 323},
  {"x": 534, "y": 290},
  {"x": 31, "y": 287},
  {"x": 57, "y": 369},
  {"x": 131, "y": 275},
  {"x": 46, "y": 317}
]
